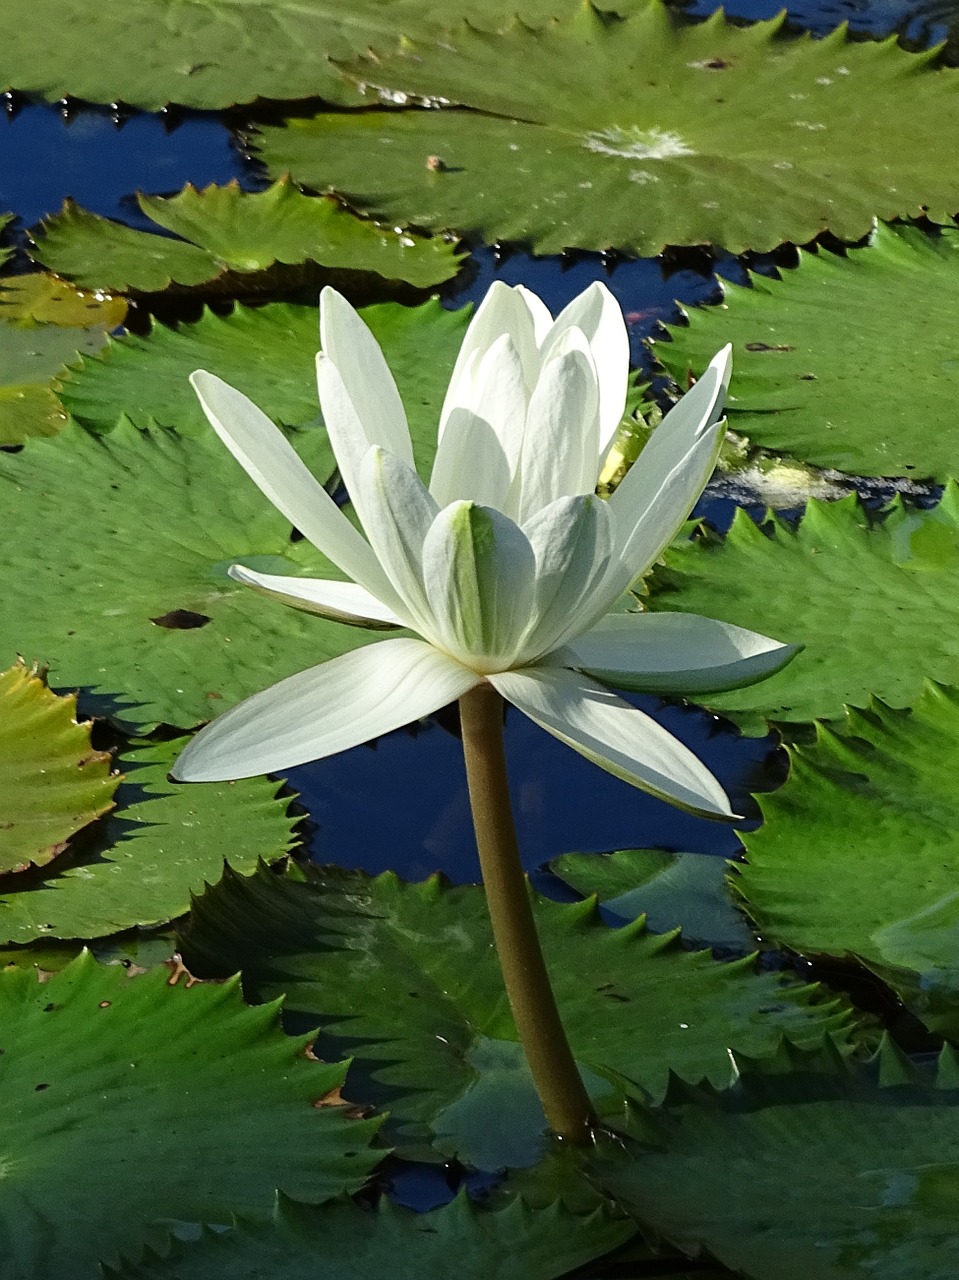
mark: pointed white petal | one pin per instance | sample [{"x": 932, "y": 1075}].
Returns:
[
  {"x": 542, "y": 316},
  {"x": 618, "y": 737},
  {"x": 272, "y": 463},
  {"x": 326, "y": 709},
  {"x": 597, "y": 313},
  {"x": 370, "y": 385},
  {"x": 339, "y": 601},
  {"x": 679, "y": 653},
  {"x": 560, "y": 450},
  {"x": 479, "y": 571}
]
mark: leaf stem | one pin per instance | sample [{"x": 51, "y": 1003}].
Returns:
[{"x": 531, "y": 998}]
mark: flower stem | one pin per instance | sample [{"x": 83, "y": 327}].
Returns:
[{"x": 531, "y": 998}]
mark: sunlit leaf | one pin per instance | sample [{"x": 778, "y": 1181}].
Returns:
[
  {"x": 405, "y": 977},
  {"x": 229, "y": 238},
  {"x": 875, "y": 602},
  {"x": 52, "y": 782},
  {"x": 592, "y": 133},
  {"x": 130, "y": 1101}
]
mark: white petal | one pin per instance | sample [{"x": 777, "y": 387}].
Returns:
[
  {"x": 272, "y": 463},
  {"x": 370, "y": 385},
  {"x": 618, "y": 737},
  {"x": 540, "y": 312},
  {"x": 600, "y": 317},
  {"x": 675, "y": 653},
  {"x": 479, "y": 570},
  {"x": 339, "y": 601},
  {"x": 560, "y": 452},
  {"x": 326, "y": 709}
]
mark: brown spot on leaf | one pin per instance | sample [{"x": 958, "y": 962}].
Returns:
[
  {"x": 181, "y": 620},
  {"x": 767, "y": 346}
]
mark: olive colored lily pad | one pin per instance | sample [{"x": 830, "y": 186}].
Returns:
[
  {"x": 52, "y": 782},
  {"x": 230, "y": 239},
  {"x": 164, "y": 841},
  {"x": 512, "y": 1242},
  {"x": 594, "y": 133},
  {"x": 807, "y": 1170},
  {"x": 874, "y": 600},
  {"x": 404, "y": 977},
  {"x": 818, "y": 370},
  {"x": 859, "y": 854},
  {"x": 133, "y": 1101},
  {"x": 114, "y": 573}
]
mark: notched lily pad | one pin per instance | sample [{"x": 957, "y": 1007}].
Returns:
[
  {"x": 52, "y": 782},
  {"x": 230, "y": 241}
]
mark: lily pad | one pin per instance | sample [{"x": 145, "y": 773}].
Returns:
[
  {"x": 595, "y": 132},
  {"x": 806, "y": 1171},
  {"x": 512, "y": 1242},
  {"x": 859, "y": 854},
  {"x": 114, "y": 573},
  {"x": 6, "y": 252},
  {"x": 851, "y": 587},
  {"x": 404, "y": 976},
  {"x": 819, "y": 372},
  {"x": 52, "y": 782},
  {"x": 685, "y": 891},
  {"x": 230, "y": 239},
  {"x": 163, "y": 842},
  {"x": 132, "y": 1101}
]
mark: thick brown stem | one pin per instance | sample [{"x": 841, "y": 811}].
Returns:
[{"x": 531, "y": 998}]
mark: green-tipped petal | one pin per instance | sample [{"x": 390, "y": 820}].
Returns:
[
  {"x": 324, "y": 710},
  {"x": 340, "y": 601},
  {"x": 679, "y": 653},
  {"x": 618, "y": 737},
  {"x": 272, "y": 463}
]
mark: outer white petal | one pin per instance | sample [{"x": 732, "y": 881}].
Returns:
[
  {"x": 675, "y": 653},
  {"x": 272, "y": 463},
  {"x": 370, "y": 385},
  {"x": 600, "y": 317},
  {"x": 339, "y": 601},
  {"x": 542, "y": 316},
  {"x": 560, "y": 450},
  {"x": 324, "y": 710},
  {"x": 618, "y": 737}
]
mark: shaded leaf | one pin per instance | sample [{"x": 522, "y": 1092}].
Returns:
[
  {"x": 592, "y": 132},
  {"x": 40, "y": 298},
  {"x": 130, "y": 1101},
  {"x": 52, "y": 782},
  {"x": 228, "y": 235},
  {"x": 6, "y": 251}
]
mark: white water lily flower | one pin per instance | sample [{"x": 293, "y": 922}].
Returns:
[{"x": 506, "y": 565}]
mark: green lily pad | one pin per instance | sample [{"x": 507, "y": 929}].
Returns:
[
  {"x": 512, "y": 1242},
  {"x": 819, "y": 372},
  {"x": 6, "y": 251},
  {"x": 230, "y": 239},
  {"x": 268, "y": 353},
  {"x": 405, "y": 977},
  {"x": 52, "y": 782},
  {"x": 44, "y": 325},
  {"x": 129, "y": 596},
  {"x": 685, "y": 891},
  {"x": 163, "y": 842},
  {"x": 133, "y": 1101},
  {"x": 594, "y": 132},
  {"x": 806, "y": 1171},
  {"x": 852, "y": 588},
  {"x": 859, "y": 854}
]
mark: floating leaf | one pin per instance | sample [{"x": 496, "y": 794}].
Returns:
[
  {"x": 859, "y": 854},
  {"x": 44, "y": 299},
  {"x": 853, "y": 589},
  {"x": 513, "y": 1242},
  {"x": 671, "y": 890},
  {"x": 593, "y": 132},
  {"x": 114, "y": 572},
  {"x": 131, "y": 1101},
  {"x": 6, "y": 251},
  {"x": 806, "y": 1171},
  {"x": 405, "y": 977},
  {"x": 52, "y": 782},
  {"x": 163, "y": 842},
  {"x": 818, "y": 371},
  {"x": 228, "y": 236}
]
